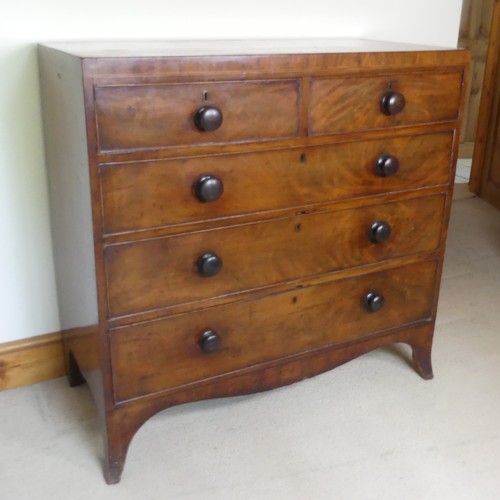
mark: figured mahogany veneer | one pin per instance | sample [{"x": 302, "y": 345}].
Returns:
[
  {"x": 429, "y": 98},
  {"x": 160, "y": 193},
  {"x": 232, "y": 217},
  {"x": 148, "y": 116},
  {"x": 160, "y": 272},
  {"x": 252, "y": 333}
]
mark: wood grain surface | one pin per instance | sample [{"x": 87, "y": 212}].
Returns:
[
  {"x": 142, "y": 195},
  {"x": 156, "y": 273},
  {"x": 164, "y": 354},
  {"x": 146, "y": 116},
  {"x": 353, "y": 103}
]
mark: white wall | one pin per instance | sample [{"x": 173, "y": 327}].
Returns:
[{"x": 28, "y": 304}]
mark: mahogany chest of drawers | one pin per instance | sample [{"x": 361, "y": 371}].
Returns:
[{"x": 231, "y": 217}]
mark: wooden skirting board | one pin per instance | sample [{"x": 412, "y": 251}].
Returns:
[{"x": 32, "y": 360}]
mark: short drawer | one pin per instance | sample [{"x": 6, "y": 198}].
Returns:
[
  {"x": 184, "y": 349},
  {"x": 339, "y": 105},
  {"x": 166, "y": 271},
  {"x": 168, "y": 192},
  {"x": 155, "y": 116}
]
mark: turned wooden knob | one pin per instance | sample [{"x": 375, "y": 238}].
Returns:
[
  {"x": 373, "y": 301},
  {"x": 380, "y": 231},
  {"x": 210, "y": 342},
  {"x": 209, "y": 264},
  {"x": 208, "y": 188},
  {"x": 386, "y": 166},
  {"x": 392, "y": 103},
  {"x": 208, "y": 118}
]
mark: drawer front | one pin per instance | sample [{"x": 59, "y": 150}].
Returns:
[
  {"x": 161, "y": 272},
  {"x": 156, "y": 116},
  {"x": 167, "y": 353},
  {"x": 151, "y": 194},
  {"x": 339, "y": 105}
]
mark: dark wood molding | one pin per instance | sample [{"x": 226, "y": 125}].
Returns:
[
  {"x": 474, "y": 35},
  {"x": 484, "y": 143}
]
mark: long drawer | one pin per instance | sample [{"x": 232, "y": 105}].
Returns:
[
  {"x": 340, "y": 105},
  {"x": 162, "y": 115},
  {"x": 167, "y": 353},
  {"x": 161, "y": 272},
  {"x": 140, "y": 195}
]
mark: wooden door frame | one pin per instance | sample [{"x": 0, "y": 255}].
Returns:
[{"x": 484, "y": 145}]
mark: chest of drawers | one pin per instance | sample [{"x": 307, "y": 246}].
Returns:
[{"x": 231, "y": 217}]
